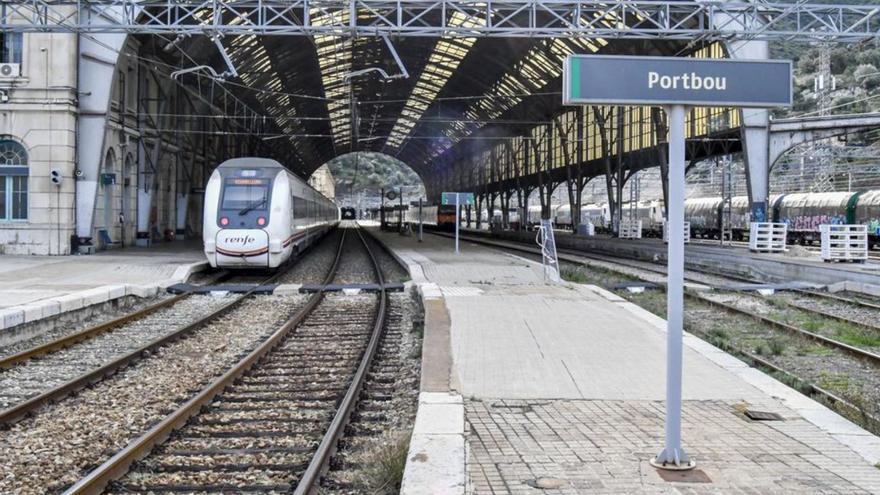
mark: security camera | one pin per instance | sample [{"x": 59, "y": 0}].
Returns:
[
  {"x": 78, "y": 172},
  {"x": 4, "y": 96}
]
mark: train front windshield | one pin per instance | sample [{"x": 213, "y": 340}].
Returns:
[{"x": 248, "y": 197}]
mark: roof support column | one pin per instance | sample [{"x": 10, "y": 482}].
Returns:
[
  {"x": 97, "y": 58},
  {"x": 182, "y": 184},
  {"x": 755, "y": 135}
]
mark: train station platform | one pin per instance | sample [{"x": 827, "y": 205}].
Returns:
[
  {"x": 535, "y": 388},
  {"x": 37, "y": 287}
]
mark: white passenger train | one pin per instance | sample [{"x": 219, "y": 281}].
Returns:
[{"x": 258, "y": 214}]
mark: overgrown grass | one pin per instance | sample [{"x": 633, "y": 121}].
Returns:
[
  {"x": 574, "y": 274},
  {"x": 776, "y": 347},
  {"x": 777, "y": 302},
  {"x": 593, "y": 275},
  {"x": 859, "y": 338},
  {"x": 651, "y": 300},
  {"x": 834, "y": 381},
  {"x": 816, "y": 350},
  {"x": 719, "y": 337},
  {"x": 793, "y": 382},
  {"x": 383, "y": 471},
  {"x": 810, "y": 325},
  {"x": 845, "y": 332}
]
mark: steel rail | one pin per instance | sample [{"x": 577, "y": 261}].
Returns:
[
  {"x": 814, "y": 390},
  {"x": 118, "y": 465},
  {"x": 88, "y": 333},
  {"x": 806, "y": 292},
  {"x": 94, "y": 331},
  {"x": 852, "y": 350},
  {"x": 854, "y": 302},
  {"x": 317, "y": 466},
  {"x": 832, "y": 316},
  {"x": 22, "y": 409}
]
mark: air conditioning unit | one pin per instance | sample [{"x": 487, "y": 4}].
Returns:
[{"x": 10, "y": 70}]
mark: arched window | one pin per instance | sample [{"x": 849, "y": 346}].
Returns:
[{"x": 13, "y": 180}]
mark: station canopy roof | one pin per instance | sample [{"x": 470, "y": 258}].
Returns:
[{"x": 461, "y": 94}]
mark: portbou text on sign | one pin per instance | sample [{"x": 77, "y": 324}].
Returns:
[{"x": 630, "y": 80}]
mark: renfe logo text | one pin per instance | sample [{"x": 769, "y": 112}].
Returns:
[
  {"x": 244, "y": 240},
  {"x": 686, "y": 81}
]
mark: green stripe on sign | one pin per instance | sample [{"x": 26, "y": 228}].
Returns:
[{"x": 575, "y": 86}]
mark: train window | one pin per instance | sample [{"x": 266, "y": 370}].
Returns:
[
  {"x": 253, "y": 197},
  {"x": 301, "y": 207}
]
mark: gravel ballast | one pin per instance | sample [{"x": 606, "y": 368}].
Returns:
[{"x": 52, "y": 450}]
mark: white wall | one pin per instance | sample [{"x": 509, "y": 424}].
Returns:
[{"x": 41, "y": 114}]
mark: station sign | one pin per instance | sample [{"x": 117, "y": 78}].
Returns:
[
  {"x": 658, "y": 81},
  {"x": 449, "y": 198}
]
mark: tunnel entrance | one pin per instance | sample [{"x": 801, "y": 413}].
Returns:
[{"x": 362, "y": 179}]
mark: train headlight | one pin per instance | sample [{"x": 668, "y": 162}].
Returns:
[
  {"x": 224, "y": 221},
  {"x": 261, "y": 221}
]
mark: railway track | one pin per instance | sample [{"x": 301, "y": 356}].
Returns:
[
  {"x": 816, "y": 304},
  {"x": 718, "y": 279},
  {"x": 47, "y": 346},
  {"x": 51, "y": 371},
  {"x": 273, "y": 420}
]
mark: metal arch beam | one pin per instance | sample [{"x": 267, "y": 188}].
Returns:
[
  {"x": 649, "y": 19},
  {"x": 788, "y": 133}
]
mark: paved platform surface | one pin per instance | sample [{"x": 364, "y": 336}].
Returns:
[
  {"x": 30, "y": 281},
  {"x": 561, "y": 390}
]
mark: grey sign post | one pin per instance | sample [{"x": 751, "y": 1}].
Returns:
[
  {"x": 458, "y": 199},
  {"x": 675, "y": 84}
]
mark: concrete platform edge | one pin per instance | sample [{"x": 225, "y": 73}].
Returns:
[
  {"x": 27, "y": 313},
  {"x": 435, "y": 462},
  {"x": 862, "y": 442}
]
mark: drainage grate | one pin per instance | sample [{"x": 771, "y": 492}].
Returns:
[
  {"x": 690, "y": 476},
  {"x": 763, "y": 415}
]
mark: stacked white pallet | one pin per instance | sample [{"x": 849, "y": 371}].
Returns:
[
  {"x": 767, "y": 237},
  {"x": 630, "y": 229},
  {"x": 687, "y": 232},
  {"x": 586, "y": 229},
  {"x": 844, "y": 242}
]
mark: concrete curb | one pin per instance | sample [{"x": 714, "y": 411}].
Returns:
[
  {"x": 860, "y": 441},
  {"x": 436, "y": 458},
  {"x": 435, "y": 462},
  {"x": 38, "y": 310}
]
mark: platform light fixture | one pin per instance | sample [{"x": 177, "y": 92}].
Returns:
[{"x": 56, "y": 177}]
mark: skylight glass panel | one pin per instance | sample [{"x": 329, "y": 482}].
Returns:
[{"x": 448, "y": 53}]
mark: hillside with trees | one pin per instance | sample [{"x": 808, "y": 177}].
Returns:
[
  {"x": 855, "y": 68},
  {"x": 368, "y": 172}
]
